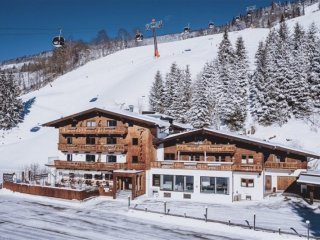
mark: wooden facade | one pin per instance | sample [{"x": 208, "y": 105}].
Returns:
[{"x": 136, "y": 140}]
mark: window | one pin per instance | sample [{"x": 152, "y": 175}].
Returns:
[
  {"x": 135, "y": 141},
  {"x": 216, "y": 185},
  {"x": 98, "y": 176},
  {"x": 87, "y": 176},
  {"x": 91, "y": 124},
  {"x": 69, "y": 140},
  {"x": 244, "y": 159},
  {"x": 169, "y": 156},
  {"x": 222, "y": 185},
  {"x": 189, "y": 184},
  {"x": 108, "y": 176},
  {"x": 207, "y": 184},
  {"x": 90, "y": 140},
  {"x": 279, "y": 158},
  {"x": 69, "y": 157},
  {"x": 111, "y": 158},
  {"x": 156, "y": 180},
  {"x": 250, "y": 160},
  {"x": 167, "y": 182},
  {"x": 247, "y": 182},
  {"x": 111, "y": 140},
  {"x": 111, "y": 123},
  {"x": 74, "y": 123},
  {"x": 90, "y": 158},
  {"x": 179, "y": 183},
  {"x": 135, "y": 159}
]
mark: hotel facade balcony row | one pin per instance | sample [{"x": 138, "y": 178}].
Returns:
[
  {"x": 121, "y": 148},
  {"x": 120, "y": 130}
]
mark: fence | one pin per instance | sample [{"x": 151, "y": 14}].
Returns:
[
  {"x": 246, "y": 223},
  {"x": 51, "y": 191}
]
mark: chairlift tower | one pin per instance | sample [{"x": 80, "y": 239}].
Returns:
[{"x": 153, "y": 26}]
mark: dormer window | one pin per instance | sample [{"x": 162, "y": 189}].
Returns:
[
  {"x": 111, "y": 123},
  {"x": 91, "y": 124}
]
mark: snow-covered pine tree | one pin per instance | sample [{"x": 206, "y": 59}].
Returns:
[
  {"x": 257, "y": 83},
  {"x": 156, "y": 96},
  {"x": 171, "y": 100},
  {"x": 11, "y": 105},
  {"x": 274, "y": 108},
  {"x": 314, "y": 78},
  {"x": 184, "y": 94},
  {"x": 199, "y": 113},
  {"x": 299, "y": 98}
]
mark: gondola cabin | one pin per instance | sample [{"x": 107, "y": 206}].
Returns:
[
  {"x": 139, "y": 37},
  {"x": 58, "y": 41}
]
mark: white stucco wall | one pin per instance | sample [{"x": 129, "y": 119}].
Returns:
[{"x": 256, "y": 192}]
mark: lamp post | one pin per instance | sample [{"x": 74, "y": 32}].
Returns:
[{"x": 308, "y": 225}]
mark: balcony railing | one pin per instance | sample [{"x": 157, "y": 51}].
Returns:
[
  {"x": 192, "y": 165},
  {"x": 286, "y": 165},
  {"x": 209, "y": 148},
  {"x": 247, "y": 167},
  {"x": 95, "y": 130},
  {"x": 96, "y": 166},
  {"x": 92, "y": 148}
]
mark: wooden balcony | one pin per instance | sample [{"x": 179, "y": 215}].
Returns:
[
  {"x": 94, "y": 166},
  {"x": 247, "y": 167},
  {"x": 92, "y": 148},
  {"x": 192, "y": 165},
  {"x": 286, "y": 165},
  {"x": 209, "y": 148},
  {"x": 94, "y": 130}
]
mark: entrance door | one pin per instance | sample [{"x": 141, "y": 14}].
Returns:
[
  {"x": 268, "y": 183},
  {"x": 125, "y": 183}
]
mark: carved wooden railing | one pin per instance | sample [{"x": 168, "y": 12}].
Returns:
[
  {"x": 98, "y": 166},
  {"x": 92, "y": 148},
  {"x": 286, "y": 165},
  {"x": 192, "y": 165},
  {"x": 209, "y": 148},
  {"x": 120, "y": 130},
  {"x": 247, "y": 167}
]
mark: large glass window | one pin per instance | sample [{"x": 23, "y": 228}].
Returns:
[
  {"x": 217, "y": 185},
  {"x": 189, "y": 184},
  {"x": 167, "y": 182},
  {"x": 222, "y": 185},
  {"x": 179, "y": 183},
  {"x": 207, "y": 184}
]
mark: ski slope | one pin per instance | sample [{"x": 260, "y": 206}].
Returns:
[{"x": 125, "y": 78}]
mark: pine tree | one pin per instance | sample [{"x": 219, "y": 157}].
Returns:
[
  {"x": 173, "y": 80},
  {"x": 199, "y": 114},
  {"x": 11, "y": 105},
  {"x": 257, "y": 83},
  {"x": 184, "y": 96},
  {"x": 156, "y": 96},
  {"x": 314, "y": 78}
]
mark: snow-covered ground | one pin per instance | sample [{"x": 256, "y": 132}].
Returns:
[
  {"x": 33, "y": 217},
  {"x": 125, "y": 78}
]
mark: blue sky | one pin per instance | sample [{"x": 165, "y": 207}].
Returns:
[{"x": 27, "y": 26}]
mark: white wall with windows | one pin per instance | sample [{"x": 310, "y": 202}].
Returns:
[
  {"x": 280, "y": 173},
  {"x": 90, "y": 157},
  {"x": 248, "y": 185},
  {"x": 197, "y": 185}
]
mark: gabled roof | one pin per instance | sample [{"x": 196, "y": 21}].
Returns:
[
  {"x": 240, "y": 138},
  {"x": 115, "y": 114}
]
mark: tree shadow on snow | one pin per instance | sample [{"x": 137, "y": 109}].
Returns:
[
  {"x": 307, "y": 213},
  {"x": 27, "y": 106}
]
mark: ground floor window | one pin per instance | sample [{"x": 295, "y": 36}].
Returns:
[
  {"x": 216, "y": 185},
  {"x": 177, "y": 183},
  {"x": 111, "y": 158},
  {"x": 247, "y": 182},
  {"x": 69, "y": 157},
  {"x": 156, "y": 180}
]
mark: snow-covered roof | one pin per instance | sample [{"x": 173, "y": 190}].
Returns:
[
  {"x": 116, "y": 113},
  {"x": 242, "y": 138},
  {"x": 310, "y": 177}
]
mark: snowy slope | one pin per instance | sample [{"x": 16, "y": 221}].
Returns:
[{"x": 125, "y": 77}]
